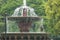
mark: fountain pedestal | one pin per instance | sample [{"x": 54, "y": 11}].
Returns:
[{"x": 24, "y": 26}]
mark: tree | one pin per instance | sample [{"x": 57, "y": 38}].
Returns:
[
  {"x": 7, "y": 6},
  {"x": 52, "y": 11}
]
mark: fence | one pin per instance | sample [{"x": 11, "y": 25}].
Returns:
[{"x": 24, "y": 36}]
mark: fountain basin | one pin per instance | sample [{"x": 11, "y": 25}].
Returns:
[{"x": 24, "y": 23}]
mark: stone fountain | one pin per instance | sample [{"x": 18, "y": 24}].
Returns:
[{"x": 24, "y": 16}]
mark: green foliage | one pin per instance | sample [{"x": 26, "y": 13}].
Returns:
[
  {"x": 52, "y": 11},
  {"x": 12, "y": 26},
  {"x": 7, "y": 6},
  {"x": 37, "y": 5}
]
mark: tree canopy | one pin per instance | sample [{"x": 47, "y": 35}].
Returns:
[{"x": 52, "y": 11}]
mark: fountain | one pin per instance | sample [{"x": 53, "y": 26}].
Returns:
[{"x": 24, "y": 17}]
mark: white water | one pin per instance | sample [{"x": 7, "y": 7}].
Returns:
[
  {"x": 7, "y": 25},
  {"x": 19, "y": 10},
  {"x": 24, "y": 2},
  {"x": 42, "y": 24}
]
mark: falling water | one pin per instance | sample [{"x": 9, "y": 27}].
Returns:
[
  {"x": 41, "y": 26},
  {"x": 19, "y": 10},
  {"x": 7, "y": 25},
  {"x": 42, "y": 22}
]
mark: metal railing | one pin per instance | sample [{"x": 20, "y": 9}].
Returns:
[{"x": 25, "y": 37}]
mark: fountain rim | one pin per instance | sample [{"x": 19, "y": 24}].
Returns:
[
  {"x": 26, "y": 33},
  {"x": 24, "y": 18}
]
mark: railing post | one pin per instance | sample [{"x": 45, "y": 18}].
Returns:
[
  {"x": 28, "y": 37},
  {"x": 35, "y": 37},
  {"x": 15, "y": 37},
  {"x": 22, "y": 37},
  {"x": 9, "y": 37},
  {"x": 44, "y": 37},
  {"x": 5, "y": 26}
]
